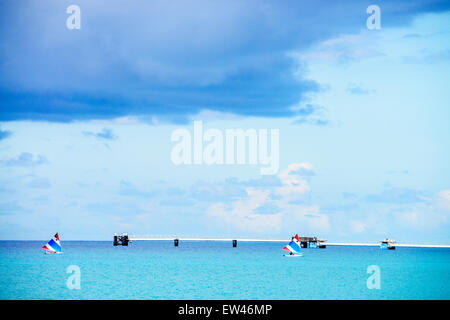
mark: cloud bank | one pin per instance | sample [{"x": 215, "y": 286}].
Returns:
[
  {"x": 172, "y": 60},
  {"x": 274, "y": 208}
]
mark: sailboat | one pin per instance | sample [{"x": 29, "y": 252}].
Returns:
[
  {"x": 293, "y": 247},
  {"x": 53, "y": 246}
]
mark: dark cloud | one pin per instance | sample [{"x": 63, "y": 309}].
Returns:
[{"x": 169, "y": 59}]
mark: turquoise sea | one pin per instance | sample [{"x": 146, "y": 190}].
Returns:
[{"x": 216, "y": 270}]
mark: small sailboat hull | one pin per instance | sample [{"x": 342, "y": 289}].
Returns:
[{"x": 293, "y": 255}]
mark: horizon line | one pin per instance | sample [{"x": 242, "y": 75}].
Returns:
[{"x": 367, "y": 244}]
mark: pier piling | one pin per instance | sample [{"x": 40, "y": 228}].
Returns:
[
  {"x": 121, "y": 240},
  {"x": 125, "y": 240}
]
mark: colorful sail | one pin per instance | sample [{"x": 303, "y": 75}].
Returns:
[
  {"x": 53, "y": 245},
  {"x": 294, "y": 245}
]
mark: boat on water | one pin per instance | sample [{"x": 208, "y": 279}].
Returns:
[
  {"x": 387, "y": 244},
  {"x": 53, "y": 246},
  {"x": 293, "y": 247}
]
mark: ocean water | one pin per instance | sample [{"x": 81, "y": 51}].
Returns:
[{"x": 216, "y": 270}]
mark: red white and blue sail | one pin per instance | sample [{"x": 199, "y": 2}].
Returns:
[
  {"x": 53, "y": 245},
  {"x": 294, "y": 245}
]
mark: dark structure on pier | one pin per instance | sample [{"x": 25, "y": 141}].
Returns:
[
  {"x": 312, "y": 242},
  {"x": 121, "y": 240},
  {"x": 387, "y": 244}
]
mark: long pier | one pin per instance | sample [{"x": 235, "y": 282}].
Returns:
[
  {"x": 306, "y": 242},
  {"x": 287, "y": 240},
  {"x": 131, "y": 238}
]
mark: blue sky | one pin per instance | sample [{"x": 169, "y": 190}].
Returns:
[{"x": 87, "y": 115}]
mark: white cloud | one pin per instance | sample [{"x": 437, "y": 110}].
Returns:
[
  {"x": 428, "y": 214},
  {"x": 305, "y": 218},
  {"x": 293, "y": 184},
  {"x": 242, "y": 213},
  {"x": 444, "y": 199}
]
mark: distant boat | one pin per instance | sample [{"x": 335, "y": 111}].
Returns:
[
  {"x": 53, "y": 246},
  {"x": 387, "y": 244},
  {"x": 293, "y": 247}
]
